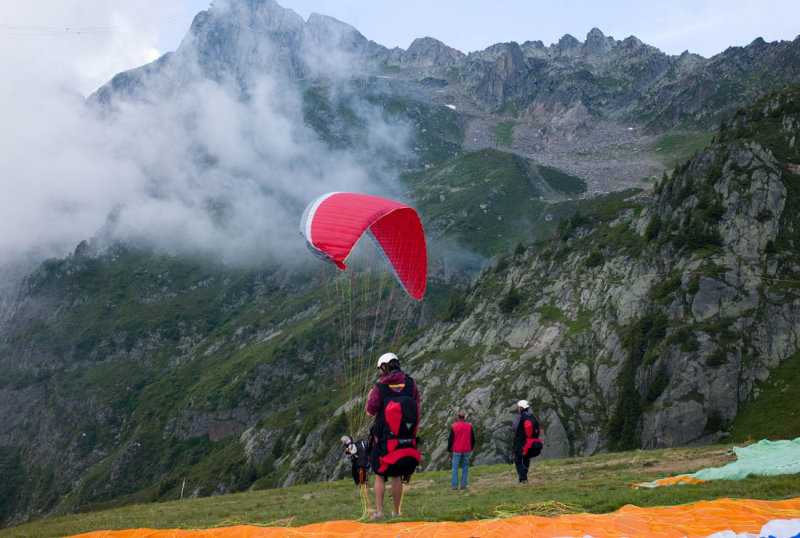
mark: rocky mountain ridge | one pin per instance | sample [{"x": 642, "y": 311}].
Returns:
[
  {"x": 578, "y": 106},
  {"x": 656, "y": 319},
  {"x": 642, "y": 323}
]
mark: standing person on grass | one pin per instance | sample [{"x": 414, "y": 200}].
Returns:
[
  {"x": 526, "y": 431},
  {"x": 394, "y": 402},
  {"x": 356, "y": 451},
  {"x": 460, "y": 443}
]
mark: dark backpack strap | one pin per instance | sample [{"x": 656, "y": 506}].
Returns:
[
  {"x": 385, "y": 393},
  {"x": 362, "y": 455}
]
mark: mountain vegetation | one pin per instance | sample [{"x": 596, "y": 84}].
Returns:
[{"x": 612, "y": 235}]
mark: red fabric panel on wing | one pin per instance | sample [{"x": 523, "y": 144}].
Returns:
[
  {"x": 403, "y": 240},
  {"x": 341, "y": 219}
]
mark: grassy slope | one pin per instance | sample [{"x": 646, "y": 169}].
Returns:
[
  {"x": 775, "y": 414},
  {"x": 675, "y": 147},
  {"x": 490, "y": 200},
  {"x": 146, "y": 391},
  {"x": 597, "y": 484}
]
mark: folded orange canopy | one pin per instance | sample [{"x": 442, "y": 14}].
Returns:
[{"x": 693, "y": 520}]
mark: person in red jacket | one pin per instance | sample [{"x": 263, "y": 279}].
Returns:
[{"x": 460, "y": 443}]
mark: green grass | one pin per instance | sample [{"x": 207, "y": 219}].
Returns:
[
  {"x": 674, "y": 148},
  {"x": 491, "y": 200},
  {"x": 503, "y": 133},
  {"x": 561, "y": 181},
  {"x": 597, "y": 484},
  {"x": 758, "y": 419}
]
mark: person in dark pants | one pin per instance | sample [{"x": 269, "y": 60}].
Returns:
[
  {"x": 460, "y": 443},
  {"x": 356, "y": 452},
  {"x": 524, "y": 428}
]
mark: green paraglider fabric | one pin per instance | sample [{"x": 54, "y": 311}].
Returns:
[{"x": 765, "y": 458}]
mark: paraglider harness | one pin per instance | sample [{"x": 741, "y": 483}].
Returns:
[
  {"x": 531, "y": 444},
  {"x": 358, "y": 454},
  {"x": 393, "y": 437}
]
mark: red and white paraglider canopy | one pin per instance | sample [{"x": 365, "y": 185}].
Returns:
[{"x": 333, "y": 223}]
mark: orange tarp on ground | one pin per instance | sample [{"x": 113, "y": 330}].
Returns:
[
  {"x": 694, "y": 520},
  {"x": 671, "y": 481}
]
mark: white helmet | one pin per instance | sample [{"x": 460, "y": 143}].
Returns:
[
  {"x": 523, "y": 404},
  {"x": 386, "y": 358}
]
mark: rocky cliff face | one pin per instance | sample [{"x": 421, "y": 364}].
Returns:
[
  {"x": 426, "y": 53},
  {"x": 625, "y": 80},
  {"x": 644, "y": 325},
  {"x": 647, "y": 326}
]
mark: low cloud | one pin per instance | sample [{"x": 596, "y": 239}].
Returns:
[{"x": 203, "y": 167}]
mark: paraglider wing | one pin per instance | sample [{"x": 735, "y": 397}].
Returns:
[{"x": 333, "y": 223}]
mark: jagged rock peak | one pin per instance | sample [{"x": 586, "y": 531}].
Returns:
[
  {"x": 225, "y": 37},
  {"x": 430, "y": 52},
  {"x": 632, "y": 43},
  {"x": 328, "y": 31},
  {"x": 567, "y": 43},
  {"x": 261, "y": 18},
  {"x": 598, "y": 44},
  {"x": 500, "y": 50},
  {"x": 264, "y": 15},
  {"x": 534, "y": 49},
  {"x": 329, "y": 25}
]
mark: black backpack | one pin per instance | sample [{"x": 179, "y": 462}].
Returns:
[
  {"x": 396, "y": 430},
  {"x": 360, "y": 462},
  {"x": 532, "y": 444}
]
